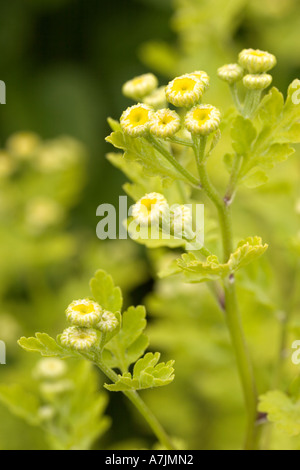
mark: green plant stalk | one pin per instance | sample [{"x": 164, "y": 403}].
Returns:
[
  {"x": 171, "y": 159},
  {"x": 140, "y": 406},
  {"x": 231, "y": 305},
  {"x": 235, "y": 97},
  {"x": 232, "y": 186}
]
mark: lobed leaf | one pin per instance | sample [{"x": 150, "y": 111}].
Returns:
[{"x": 147, "y": 373}]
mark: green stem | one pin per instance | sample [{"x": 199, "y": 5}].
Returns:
[
  {"x": 252, "y": 101},
  {"x": 231, "y": 306},
  {"x": 171, "y": 159},
  {"x": 232, "y": 186},
  {"x": 177, "y": 140},
  {"x": 140, "y": 406},
  {"x": 243, "y": 361},
  {"x": 235, "y": 97}
]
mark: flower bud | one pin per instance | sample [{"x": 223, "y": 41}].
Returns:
[
  {"x": 256, "y": 61},
  {"x": 231, "y": 73}
]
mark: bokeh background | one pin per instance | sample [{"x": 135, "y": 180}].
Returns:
[{"x": 64, "y": 62}]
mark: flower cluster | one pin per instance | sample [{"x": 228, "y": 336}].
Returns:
[
  {"x": 88, "y": 320},
  {"x": 153, "y": 117},
  {"x": 154, "y": 210},
  {"x": 251, "y": 68}
]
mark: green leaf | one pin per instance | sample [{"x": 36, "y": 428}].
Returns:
[
  {"x": 271, "y": 107},
  {"x": 247, "y": 251},
  {"x": 255, "y": 178},
  {"x": 45, "y": 345},
  {"x": 114, "y": 125},
  {"x": 130, "y": 343},
  {"x": 140, "y": 150},
  {"x": 21, "y": 403},
  {"x": 196, "y": 270},
  {"x": 147, "y": 373},
  {"x": 243, "y": 135},
  {"x": 277, "y": 126},
  {"x": 105, "y": 292},
  {"x": 282, "y": 410}
]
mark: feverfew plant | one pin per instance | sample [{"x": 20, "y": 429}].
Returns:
[{"x": 166, "y": 153}]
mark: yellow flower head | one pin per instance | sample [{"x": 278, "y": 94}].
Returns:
[
  {"x": 78, "y": 338},
  {"x": 185, "y": 91},
  {"x": 256, "y": 61},
  {"x": 203, "y": 119},
  {"x": 135, "y": 120},
  {"x": 257, "y": 82},
  {"x": 50, "y": 368},
  {"x": 108, "y": 322},
  {"x": 202, "y": 76},
  {"x": 84, "y": 312},
  {"x": 164, "y": 123},
  {"x": 231, "y": 73},
  {"x": 149, "y": 208},
  {"x": 157, "y": 99},
  {"x": 141, "y": 86}
]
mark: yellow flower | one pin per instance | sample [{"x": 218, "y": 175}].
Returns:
[
  {"x": 164, "y": 123},
  {"x": 256, "y": 61},
  {"x": 50, "y": 368},
  {"x": 108, "y": 322},
  {"x": 184, "y": 91},
  {"x": 78, "y": 338},
  {"x": 230, "y": 73},
  {"x": 202, "y": 76},
  {"x": 149, "y": 209},
  {"x": 257, "y": 82},
  {"x": 157, "y": 99},
  {"x": 135, "y": 120},
  {"x": 139, "y": 87},
  {"x": 84, "y": 312},
  {"x": 203, "y": 119}
]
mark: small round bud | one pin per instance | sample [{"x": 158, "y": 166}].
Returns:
[
  {"x": 182, "y": 219},
  {"x": 256, "y": 61},
  {"x": 50, "y": 368},
  {"x": 231, "y": 73},
  {"x": 78, "y": 338},
  {"x": 84, "y": 312},
  {"x": 157, "y": 99},
  {"x": 202, "y": 76},
  {"x": 139, "y": 87},
  {"x": 185, "y": 91},
  {"x": 135, "y": 120},
  {"x": 108, "y": 322},
  {"x": 164, "y": 123},
  {"x": 257, "y": 82},
  {"x": 203, "y": 119},
  {"x": 149, "y": 209}
]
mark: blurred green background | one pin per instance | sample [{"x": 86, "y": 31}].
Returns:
[{"x": 64, "y": 62}]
